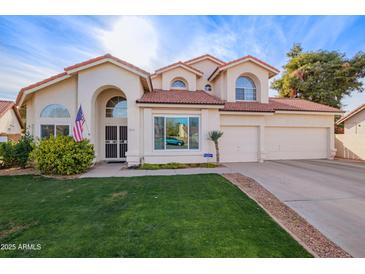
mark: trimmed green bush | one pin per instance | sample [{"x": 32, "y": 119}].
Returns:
[
  {"x": 7, "y": 154},
  {"x": 22, "y": 149},
  {"x": 16, "y": 154},
  {"x": 62, "y": 156}
]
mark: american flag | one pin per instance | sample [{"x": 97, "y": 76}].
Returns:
[{"x": 78, "y": 128}]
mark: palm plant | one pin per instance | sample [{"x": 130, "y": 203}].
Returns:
[{"x": 214, "y": 136}]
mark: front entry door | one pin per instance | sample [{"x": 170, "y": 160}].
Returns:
[{"x": 116, "y": 143}]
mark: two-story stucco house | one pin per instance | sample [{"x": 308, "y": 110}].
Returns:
[
  {"x": 136, "y": 116},
  {"x": 351, "y": 144}
]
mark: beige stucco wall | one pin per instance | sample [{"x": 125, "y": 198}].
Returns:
[
  {"x": 259, "y": 76},
  {"x": 179, "y": 73},
  {"x": 63, "y": 93},
  {"x": 207, "y": 67},
  {"x": 268, "y": 145},
  {"x": 9, "y": 123},
  {"x": 95, "y": 80},
  {"x": 355, "y": 125},
  {"x": 351, "y": 144},
  {"x": 157, "y": 81}
]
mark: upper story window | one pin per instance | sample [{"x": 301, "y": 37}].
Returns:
[
  {"x": 179, "y": 84},
  {"x": 116, "y": 107},
  {"x": 208, "y": 87},
  {"x": 245, "y": 89},
  {"x": 55, "y": 111}
]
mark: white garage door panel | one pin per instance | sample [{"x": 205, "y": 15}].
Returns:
[
  {"x": 295, "y": 143},
  {"x": 239, "y": 144}
]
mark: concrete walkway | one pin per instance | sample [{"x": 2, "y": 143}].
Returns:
[{"x": 120, "y": 170}]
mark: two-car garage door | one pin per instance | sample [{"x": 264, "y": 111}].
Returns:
[
  {"x": 241, "y": 144},
  {"x": 295, "y": 143}
]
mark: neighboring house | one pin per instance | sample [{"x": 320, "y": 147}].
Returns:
[
  {"x": 165, "y": 117},
  {"x": 10, "y": 122},
  {"x": 351, "y": 144}
]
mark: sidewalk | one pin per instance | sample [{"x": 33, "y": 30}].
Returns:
[{"x": 120, "y": 170}]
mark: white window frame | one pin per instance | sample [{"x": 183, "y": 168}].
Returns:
[
  {"x": 176, "y": 116},
  {"x": 54, "y": 130},
  {"x": 235, "y": 89},
  {"x": 179, "y": 88}
]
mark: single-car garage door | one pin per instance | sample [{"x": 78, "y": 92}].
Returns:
[
  {"x": 296, "y": 143},
  {"x": 239, "y": 144}
]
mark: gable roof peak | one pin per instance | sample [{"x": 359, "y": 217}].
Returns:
[
  {"x": 178, "y": 64},
  {"x": 203, "y": 57}
]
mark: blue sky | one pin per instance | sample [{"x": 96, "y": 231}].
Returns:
[{"x": 35, "y": 47}]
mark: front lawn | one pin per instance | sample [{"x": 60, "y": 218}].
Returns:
[{"x": 165, "y": 216}]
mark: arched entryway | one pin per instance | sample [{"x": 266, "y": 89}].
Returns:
[{"x": 111, "y": 119}]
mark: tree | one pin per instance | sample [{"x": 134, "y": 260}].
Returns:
[
  {"x": 321, "y": 76},
  {"x": 214, "y": 136}
]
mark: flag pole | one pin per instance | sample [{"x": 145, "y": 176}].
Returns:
[{"x": 88, "y": 130}]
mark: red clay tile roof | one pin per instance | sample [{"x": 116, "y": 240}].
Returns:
[
  {"x": 247, "y": 107},
  {"x": 225, "y": 65},
  {"x": 198, "y": 97},
  {"x": 296, "y": 104},
  {"x": 279, "y": 104},
  {"x": 178, "y": 63},
  {"x": 106, "y": 56},
  {"x": 5, "y": 106},
  {"x": 350, "y": 114},
  {"x": 90, "y": 61},
  {"x": 249, "y": 57},
  {"x": 49, "y": 79},
  {"x": 202, "y": 56}
]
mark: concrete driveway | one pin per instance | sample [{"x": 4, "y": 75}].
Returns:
[{"x": 329, "y": 194}]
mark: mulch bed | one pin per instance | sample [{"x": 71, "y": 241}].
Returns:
[
  {"x": 17, "y": 171},
  {"x": 307, "y": 235}
]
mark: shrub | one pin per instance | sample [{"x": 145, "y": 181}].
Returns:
[
  {"x": 22, "y": 149},
  {"x": 16, "y": 154},
  {"x": 7, "y": 154},
  {"x": 62, "y": 156}
]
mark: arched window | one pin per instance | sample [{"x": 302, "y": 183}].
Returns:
[
  {"x": 116, "y": 107},
  {"x": 245, "y": 89},
  {"x": 208, "y": 87},
  {"x": 179, "y": 84},
  {"x": 55, "y": 111}
]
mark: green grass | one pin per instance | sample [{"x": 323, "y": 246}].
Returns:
[
  {"x": 165, "y": 216},
  {"x": 176, "y": 166}
]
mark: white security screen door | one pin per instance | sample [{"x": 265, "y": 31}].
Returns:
[{"x": 116, "y": 143}]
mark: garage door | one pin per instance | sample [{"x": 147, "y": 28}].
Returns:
[
  {"x": 239, "y": 144},
  {"x": 296, "y": 143}
]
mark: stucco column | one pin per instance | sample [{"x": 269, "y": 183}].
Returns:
[
  {"x": 147, "y": 132},
  {"x": 261, "y": 143},
  {"x": 332, "y": 148},
  {"x": 204, "y": 130},
  {"x": 133, "y": 154}
]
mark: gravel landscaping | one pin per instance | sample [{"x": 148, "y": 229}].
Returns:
[{"x": 311, "y": 238}]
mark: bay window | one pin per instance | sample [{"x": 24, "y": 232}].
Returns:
[{"x": 176, "y": 132}]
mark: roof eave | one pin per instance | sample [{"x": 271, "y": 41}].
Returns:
[{"x": 180, "y": 64}]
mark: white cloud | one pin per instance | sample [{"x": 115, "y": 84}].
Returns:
[
  {"x": 132, "y": 38},
  {"x": 17, "y": 74}
]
